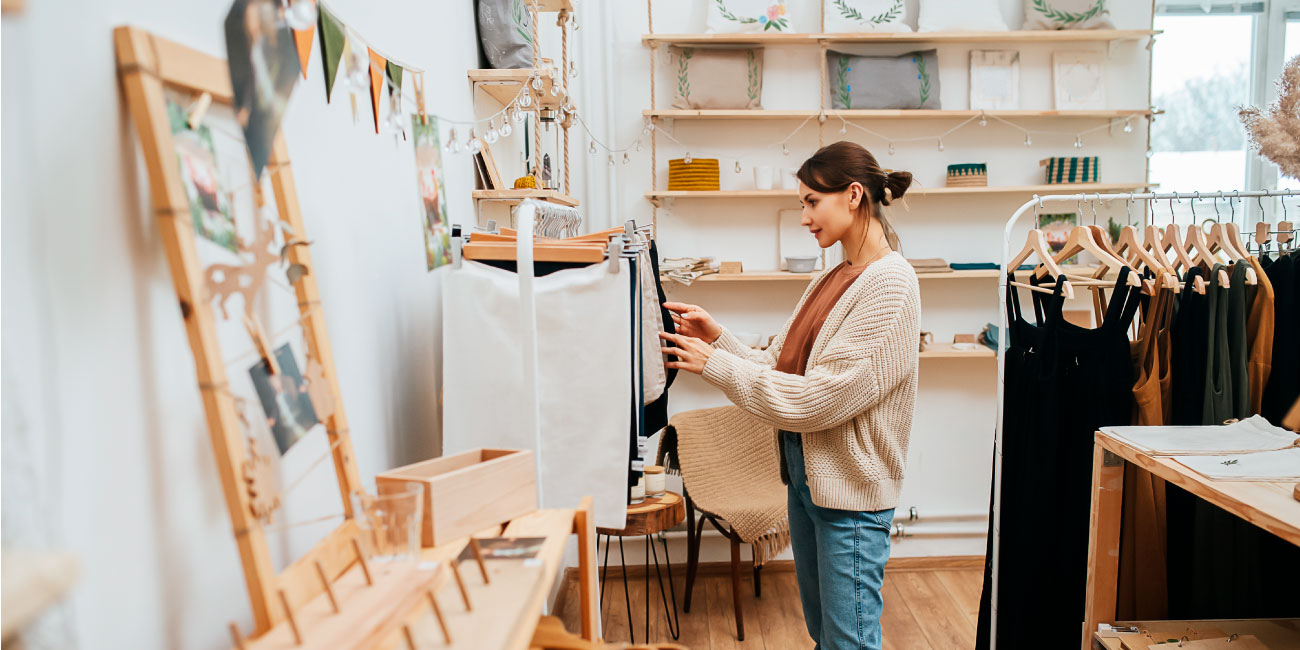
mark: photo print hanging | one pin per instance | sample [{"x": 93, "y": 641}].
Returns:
[
  {"x": 285, "y": 397},
  {"x": 263, "y": 59},
  {"x": 209, "y": 203},
  {"x": 432, "y": 184}
]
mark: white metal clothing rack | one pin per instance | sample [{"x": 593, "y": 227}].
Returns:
[{"x": 1003, "y": 334}]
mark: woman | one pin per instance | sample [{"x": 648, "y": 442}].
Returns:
[{"x": 839, "y": 383}]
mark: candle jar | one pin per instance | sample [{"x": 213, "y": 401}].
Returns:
[
  {"x": 638, "y": 492},
  {"x": 655, "y": 481}
]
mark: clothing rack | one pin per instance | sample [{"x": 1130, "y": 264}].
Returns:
[{"x": 1003, "y": 339}]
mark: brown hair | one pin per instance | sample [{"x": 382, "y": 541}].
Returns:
[{"x": 837, "y": 166}]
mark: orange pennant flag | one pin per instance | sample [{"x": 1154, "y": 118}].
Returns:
[
  {"x": 377, "y": 66},
  {"x": 302, "y": 38}
]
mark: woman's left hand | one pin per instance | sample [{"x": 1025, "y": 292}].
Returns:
[{"x": 692, "y": 353}]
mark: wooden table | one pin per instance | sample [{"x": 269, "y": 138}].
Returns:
[
  {"x": 506, "y": 610},
  {"x": 1269, "y": 505}
]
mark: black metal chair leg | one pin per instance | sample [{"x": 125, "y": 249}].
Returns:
[
  {"x": 674, "y": 619},
  {"x": 604, "y": 571},
  {"x": 758, "y": 582},
  {"x": 627, "y": 598},
  {"x": 646, "y": 566},
  {"x": 692, "y": 563}
]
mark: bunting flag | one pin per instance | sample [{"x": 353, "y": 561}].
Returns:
[
  {"x": 394, "y": 79},
  {"x": 302, "y": 38},
  {"x": 377, "y": 65},
  {"x": 333, "y": 42}
]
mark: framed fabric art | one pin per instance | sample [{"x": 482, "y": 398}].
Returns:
[
  {"x": 1078, "y": 81},
  {"x": 908, "y": 81},
  {"x": 994, "y": 80},
  {"x": 860, "y": 16}
]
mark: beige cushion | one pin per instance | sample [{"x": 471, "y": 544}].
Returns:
[
  {"x": 1067, "y": 14},
  {"x": 716, "y": 78}
]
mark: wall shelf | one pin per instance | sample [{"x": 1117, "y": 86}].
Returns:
[
  {"x": 1020, "y": 36},
  {"x": 863, "y": 114},
  {"x": 915, "y": 191},
  {"x": 515, "y": 196},
  {"x": 503, "y": 86},
  {"x": 946, "y": 351},
  {"x": 785, "y": 276}
]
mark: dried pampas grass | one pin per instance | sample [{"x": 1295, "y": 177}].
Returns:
[{"x": 1275, "y": 132}]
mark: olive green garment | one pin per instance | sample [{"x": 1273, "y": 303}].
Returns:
[
  {"x": 1217, "y": 406},
  {"x": 1238, "y": 352}
]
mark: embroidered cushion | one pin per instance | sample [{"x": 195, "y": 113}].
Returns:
[
  {"x": 505, "y": 28},
  {"x": 857, "y": 16},
  {"x": 716, "y": 78},
  {"x": 1067, "y": 14},
  {"x": 739, "y": 16},
  {"x": 908, "y": 81},
  {"x": 961, "y": 15}
]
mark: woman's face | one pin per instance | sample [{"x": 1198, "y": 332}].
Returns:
[{"x": 829, "y": 217}]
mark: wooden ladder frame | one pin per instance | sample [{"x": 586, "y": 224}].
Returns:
[{"x": 149, "y": 65}]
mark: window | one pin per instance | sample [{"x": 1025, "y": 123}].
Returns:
[{"x": 1292, "y": 41}]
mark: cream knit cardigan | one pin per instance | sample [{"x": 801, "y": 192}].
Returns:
[{"x": 854, "y": 402}]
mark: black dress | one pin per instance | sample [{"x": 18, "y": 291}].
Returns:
[{"x": 1062, "y": 382}]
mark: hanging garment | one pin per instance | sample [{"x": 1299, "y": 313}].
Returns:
[
  {"x": 1142, "y": 591},
  {"x": 1217, "y": 405},
  {"x": 584, "y": 377},
  {"x": 656, "y": 412},
  {"x": 654, "y": 377},
  {"x": 1191, "y": 331},
  {"x": 1063, "y": 384},
  {"x": 1238, "y": 352},
  {"x": 1284, "y": 381},
  {"x": 1259, "y": 337}
]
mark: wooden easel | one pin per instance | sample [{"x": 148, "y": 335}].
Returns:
[{"x": 149, "y": 65}]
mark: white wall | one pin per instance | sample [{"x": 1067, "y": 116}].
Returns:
[{"x": 106, "y": 450}]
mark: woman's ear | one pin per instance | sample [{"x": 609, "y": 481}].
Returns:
[{"x": 855, "y": 195}]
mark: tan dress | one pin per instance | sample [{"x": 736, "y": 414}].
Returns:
[{"x": 1259, "y": 337}]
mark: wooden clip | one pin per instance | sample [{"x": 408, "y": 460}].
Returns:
[
  {"x": 1286, "y": 230},
  {"x": 259, "y": 199},
  {"x": 288, "y": 615},
  {"x": 198, "y": 110},
  {"x": 417, "y": 80},
  {"x": 329, "y": 588},
  {"x": 1262, "y": 234},
  {"x": 259, "y": 340},
  {"x": 478, "y": 556},
  {"x": 437, "y": 612},
  {"x": 361, "y": 559},
  {"x": 237, "y": 637},
  {"x": 460, "y": 582}
]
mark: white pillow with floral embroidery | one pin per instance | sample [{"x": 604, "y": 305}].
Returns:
[
  {"x": 961, "y": 16},
  {"x": 858, "y": 16},
  {"x": 740, "y": 16},
  {"x": 1067, "y": 14}
]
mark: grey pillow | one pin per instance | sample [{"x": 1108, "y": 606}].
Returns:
[
  {"x": 505, "y": 28},
  {"x": 717, "y": 78},
  {"x": 908, "y": 81},
  {"x": 1067, "y": 14}
]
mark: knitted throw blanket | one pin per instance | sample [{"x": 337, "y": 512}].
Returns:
[{"x": 729, "y": 464}]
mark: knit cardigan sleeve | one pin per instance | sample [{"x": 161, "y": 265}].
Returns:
[{"x": 872, "y": 352}]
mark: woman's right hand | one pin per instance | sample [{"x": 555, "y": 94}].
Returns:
[{"x": 693, "y": 321}]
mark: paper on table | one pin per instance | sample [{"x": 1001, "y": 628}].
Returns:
[
  {"x": 1252, "y": 434},
  {"x": 1280, "y": 465}
]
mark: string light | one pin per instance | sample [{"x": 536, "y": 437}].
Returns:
[
  {"x": 688, "y": 158},
  {"x": 519, "y": 115},
  {"x": 1028, "y": 140},
  {"x": 592, "y": 148},
  {"x": 626, "y": 158},
  {"x": 638, "y": 145},
  {"x": 983, "y": 121},
  {"x": 737, "y": 166},
  {"x": 844, "y": 128},
  {"x": 491, "y": 135},
  {"x": 891, "y": 148},
  {"x": 505, "y": 129},
  {"x": 940, "y": 144},
  {"x": 474, "y": 145},
  {"x": 1078, "y": 142},
  {"x": 785, "y": 151},
  {"x": 451, "y": 140},
  {"x": 611, "y": 160},
  {"x": 1128, "y": 125}
]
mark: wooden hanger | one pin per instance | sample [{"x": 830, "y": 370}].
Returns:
[
  {"x": 1036, "y": 244},
  {"x": 1081, "y": 239},
  {"x": 1201, "y": 252},
  {"x": 1129, "y": 245}
]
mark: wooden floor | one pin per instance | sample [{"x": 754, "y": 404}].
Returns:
[{"x": 924, "y": 609}]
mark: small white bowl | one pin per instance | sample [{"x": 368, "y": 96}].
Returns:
[{"x": 801, "y": 263}]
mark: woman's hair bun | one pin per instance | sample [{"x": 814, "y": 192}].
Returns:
[{"x": 897, "y": 184}]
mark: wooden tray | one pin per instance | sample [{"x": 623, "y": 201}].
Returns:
[{"x": 467, "y": 492}]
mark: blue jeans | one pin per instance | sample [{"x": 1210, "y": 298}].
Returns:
[{"x": 839, "y": 561}]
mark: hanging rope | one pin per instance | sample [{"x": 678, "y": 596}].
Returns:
[
  {"x": 564, "y": 75},
  {"x": 537, "y": 115}
]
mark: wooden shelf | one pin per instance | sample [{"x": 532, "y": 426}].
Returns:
[
  {"x": 515, "y": 196},
  {"x": 914, "y": 191},
  {"x": 786, "y": 276},
  {"x": 554, "y": 5},
  {"x": 856, "y": 114},
  {"x": 1020, "y": 36},
  {"x": 503, "y": 86},
  {"x": 946, "y": 351}
]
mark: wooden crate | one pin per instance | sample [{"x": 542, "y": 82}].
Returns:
[{"x": 467, "y": 492}]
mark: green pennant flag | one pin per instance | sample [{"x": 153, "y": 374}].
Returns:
[
  {"x": 395, "y": 78},
  {"x": 332, "y": 39}
]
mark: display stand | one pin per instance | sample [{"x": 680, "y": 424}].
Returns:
[{"x": 1266, "y": 504}]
